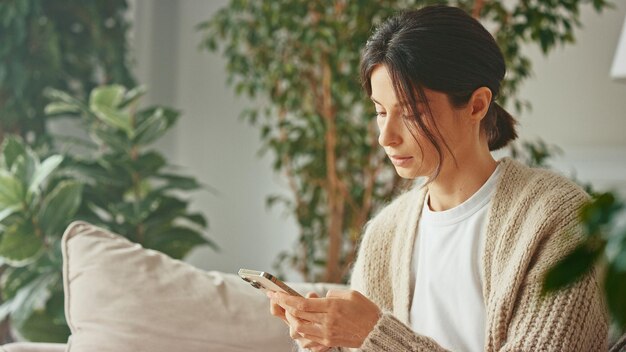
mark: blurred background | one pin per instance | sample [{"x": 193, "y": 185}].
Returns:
[{"x": 575, "y": 105}]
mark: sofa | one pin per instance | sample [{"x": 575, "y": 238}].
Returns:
[{"x": 122, "y": 297}]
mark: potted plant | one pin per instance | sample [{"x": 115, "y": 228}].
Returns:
[{"x": 118, "y": 183}]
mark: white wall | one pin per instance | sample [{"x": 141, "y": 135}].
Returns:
[
  {"x": 211, "y": 142},
  {"x": 576, "y": 106}
]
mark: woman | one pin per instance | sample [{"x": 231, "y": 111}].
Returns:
[{"x": 458, "y": 262}]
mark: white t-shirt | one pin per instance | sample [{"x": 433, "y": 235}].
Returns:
[{"x": 446, "y": 272}]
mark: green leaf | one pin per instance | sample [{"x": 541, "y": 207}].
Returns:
[
  {"x": 149, "y": 164},
  {"x": 107, "y": 96},
  {"x": 11, "y": 191},
  {"x": 176, "y": 241},
  {"x": 11, "y": 149},
  {"x": 20, "y": 245},
  {"x": 571, "y": 268},
  {"x": 59, "y": 96},
  {"x": 32, "y": 297},
  {"x": 58, "y": 108},
  {"x": 42, "y": 326},
  {"x": 197, "y": 219},
  {"x": 59, "y": 207},
  {"x": 154, "y": 122},
  {"x": 132, "y": 96},
  {"x": 151, "y": 129},
  {"x": 114, "y": 118},
  {"x": 115, "y": 139},
  {"x": 44, "y": 170},
  {"x": 14, "y": 278},
  {"x": 179, "y": 182},
  {"x": 24, "y": 167},
  {"x": 5, "y": 213},
  {"x": 599, "y": 212}
]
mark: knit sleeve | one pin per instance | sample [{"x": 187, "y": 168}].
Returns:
[
  {"x": 390, "y": 334},
  {"x": 574, "y": 319}
]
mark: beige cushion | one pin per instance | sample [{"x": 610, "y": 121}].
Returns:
[
  {"x": 33, "y": 347},
  {"x": 122, "y": 297}
]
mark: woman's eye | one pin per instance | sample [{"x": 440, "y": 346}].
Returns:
[{"x": 381, "y": 114}]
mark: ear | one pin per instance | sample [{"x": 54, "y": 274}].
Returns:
[{"x": 479, "y": 104}]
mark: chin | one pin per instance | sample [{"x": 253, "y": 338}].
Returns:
[{"x": 406, "y": 173}]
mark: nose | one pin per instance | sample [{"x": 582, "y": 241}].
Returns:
[{"x": 389, "y": 131}]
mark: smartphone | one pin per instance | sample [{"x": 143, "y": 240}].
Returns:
[{"x": 266, "y": 282}]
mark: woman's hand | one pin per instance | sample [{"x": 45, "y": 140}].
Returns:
[
  {"x": 344, "y": 318},
  {"x": 290, "y": 320}
]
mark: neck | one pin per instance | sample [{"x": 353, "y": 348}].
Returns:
[{"x": 458, "y": 182}]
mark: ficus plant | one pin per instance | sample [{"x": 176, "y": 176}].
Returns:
[
  {"x": 298, "y": 61},
  {"x": 112, "y": 179}
]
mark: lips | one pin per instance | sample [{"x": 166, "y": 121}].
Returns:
[{"x": 400, "y": 160}]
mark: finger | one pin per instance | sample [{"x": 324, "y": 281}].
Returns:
[
  {"x": 292, "y": 322},
  {"x": 300, "y": 303},
  {"x": 278, "y": 312},
  {"x": 312, "y": 295},
  {"x": 299, "y": 328},
  {"x": 317, "y": 318},
  {"x": 311, "y": 345},
  {"x": 339, "y": 293}
]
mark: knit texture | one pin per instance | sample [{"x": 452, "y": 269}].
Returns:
[{"x": 532, "y": 224}]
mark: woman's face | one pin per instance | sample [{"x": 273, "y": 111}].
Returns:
[{"x": 400, "y": 144}]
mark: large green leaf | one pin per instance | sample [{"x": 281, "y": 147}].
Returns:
[
  {"x": 20, "y": 245},
  {"x": 25, "y": 167},
  {"x": 44, "y": 170},
  {"x": 42, "y": 326},
  {"x": 11, "y": 149},
  {"x": 11, "y": 191},
  {"x": 59, "y": 207}
]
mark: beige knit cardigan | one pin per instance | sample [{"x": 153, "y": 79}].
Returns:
[{"x": 532, "y": 224}]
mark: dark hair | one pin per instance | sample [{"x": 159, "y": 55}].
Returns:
[{"x": 444, "y": 49}]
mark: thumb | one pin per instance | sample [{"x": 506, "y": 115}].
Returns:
[{"x": 312, "y": 295}]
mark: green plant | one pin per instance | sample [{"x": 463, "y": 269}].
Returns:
[
  {"x": 300, "y": 58},
  {"x": 128, "y": 188},
  {"x": 68, "y": 44},
  {"x": 35, "y": 210},
  {"x": 113, "y": 180}
]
